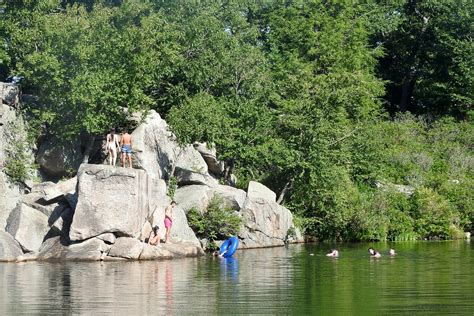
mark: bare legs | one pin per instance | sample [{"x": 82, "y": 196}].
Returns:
[
  {"x": 112, "y": 156},
  {"x": 123, "y": 160},
  {"x": 167, "y": 236}
]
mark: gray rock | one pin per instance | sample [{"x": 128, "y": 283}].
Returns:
[
  {"x": 259, "y": 191},
  {"x": 191, "y": 196},
  {"x": 146, "y": 230},
  {"x": 266, "y": 223},
  {"x": 62, "y": 188},
  {"x": 57, "y": 159},
  {"x": 154, "y": 146},
  {"x": 188, "y": 177},
  {"x": 210, "y": 157},
  {"x": 150, "y": 252},
  {"x": 112, "y": 200},
  {"x": 9, "y": 94},
  {"x": 57, "y": 248},
  {"x": 125, "y": 247},
  {"x": 109, "y": 238},
  {"x": 10, "y": 195},
  {"x": 183, "y": 249},
  {"x": 28, "y": 226},
  {"x": 156, "y": 151},
  {"x": 9, "y": 247},
  {"x": 233, "y": 197}
]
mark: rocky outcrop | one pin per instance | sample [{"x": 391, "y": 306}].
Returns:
[
  {"x": 210, "y": 157},
  {"x": 259, "y": 191},
  {"x": 9, "y": 94},
  {"x": 28, "y": 226},
  {"x": 10, "y": 195},
  {"x": 11, "y": 132},
  {"x": 57, "y": 159},
  {"x": 128, "y": 248},
  {"x": 112, "y": 200},
  {"x": 266, "y": 223},
  {"x": 199, "y": 196},
  {"x": 58, "y": 249},
  {"x": 9, "y": 248},
  {"x": 157, "y": 152}
]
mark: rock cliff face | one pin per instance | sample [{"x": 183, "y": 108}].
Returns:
[
  {"x": 107, "y": 213},
  {"x": 11, "y": 128}
]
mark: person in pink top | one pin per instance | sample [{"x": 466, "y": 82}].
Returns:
[{"x": 169, "y": 220}]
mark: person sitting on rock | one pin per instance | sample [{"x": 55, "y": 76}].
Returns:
[{"x": 154, "y": 238}]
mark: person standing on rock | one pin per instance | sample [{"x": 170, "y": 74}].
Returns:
[
  {"x": 112, "y": 144},
  {"x": 169, "y": 220},
  {"x": 126, "y": 144}
]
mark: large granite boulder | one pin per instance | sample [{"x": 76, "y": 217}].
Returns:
[
  {"x": 199, "y": 196},
  {"x": 257, "y": 190},
  {"x": 157, "y": 152},
  {"x": 113, "y": 200},
  {"x": 58, "y": 248},
  {"x": 190, "y": 196},
  {"x": 232, "y": 197},
  {"x": 128, "y": 248},
  {"x": 150, "y": 252},
  {"x": 28, "y": 226},
  {"x": 10, "y": 195},
  {"x": 9, "y": 247},
  {"x": 57, "y": 159},
  {"x": 266, "y": 223}
]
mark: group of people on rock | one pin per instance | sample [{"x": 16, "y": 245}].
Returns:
[
  {"x": 154, "y": 238},
  {"x": 373, "y": 253},
  {"x": 119, "y": 143}
]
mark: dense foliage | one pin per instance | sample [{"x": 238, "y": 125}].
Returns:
[
  {"x": 312, "y": 98},
  {"x": 216, "y": 222}
]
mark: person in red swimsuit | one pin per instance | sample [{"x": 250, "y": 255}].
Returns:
[{"x": 169, "y": 220}]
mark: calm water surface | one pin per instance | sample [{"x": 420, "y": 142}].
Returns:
[{"x": 424, "y": 278}]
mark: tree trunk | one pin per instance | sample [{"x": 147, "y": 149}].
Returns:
[{"x": 288, "y": 187}]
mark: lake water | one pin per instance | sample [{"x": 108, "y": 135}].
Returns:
[{"x": 424, "y": 278}]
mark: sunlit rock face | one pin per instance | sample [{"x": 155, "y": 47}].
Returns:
[{"x": 112, "y": 200}]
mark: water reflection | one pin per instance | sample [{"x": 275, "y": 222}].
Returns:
[{"x": 434, "y": 278}]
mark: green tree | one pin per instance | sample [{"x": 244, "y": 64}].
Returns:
[{"x": 429, "y": 58}]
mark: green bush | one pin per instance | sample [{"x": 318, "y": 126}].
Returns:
[
  {"x": 216, "y": 222},
  {"x": 18, "y": 160},
  {"x": 434, "y": 216}
]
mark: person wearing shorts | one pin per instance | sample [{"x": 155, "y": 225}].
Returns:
[
  {"x": 126, "y": 144},
  {"x": 169, "y": 220}
]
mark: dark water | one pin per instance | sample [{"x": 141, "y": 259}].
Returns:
[{"x": 433, "y": 278}]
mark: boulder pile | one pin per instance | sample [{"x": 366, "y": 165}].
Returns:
[{"x": 107, "y": 213}]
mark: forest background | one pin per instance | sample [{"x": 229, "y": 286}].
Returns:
[{"x": 331, "y": 104}]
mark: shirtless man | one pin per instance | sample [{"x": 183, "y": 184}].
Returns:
[{"x": 126, "y": 144}]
